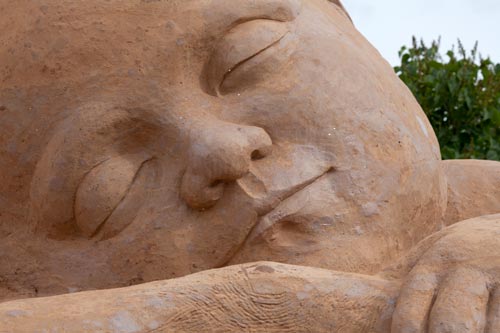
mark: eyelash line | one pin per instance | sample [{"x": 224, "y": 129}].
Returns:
[{"x": 229, "y": 71}]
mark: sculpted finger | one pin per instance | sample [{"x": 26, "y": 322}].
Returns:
[
  {"x": 414, "y": 302},
  {"x": 461, "y": 303},
  {"x": 493, "y": 319}
]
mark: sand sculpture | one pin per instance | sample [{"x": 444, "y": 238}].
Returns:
[{"x": 258, "y": 159}]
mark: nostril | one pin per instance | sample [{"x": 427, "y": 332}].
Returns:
[
  {"x": 199, "y": 193},
  {"x": 257, "y": 155},
  {"x": 216, "y": 183}
]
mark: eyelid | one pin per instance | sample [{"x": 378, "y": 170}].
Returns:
[
  {"x": 102, "y": 189},
  {"x": 241, "y": 44}
]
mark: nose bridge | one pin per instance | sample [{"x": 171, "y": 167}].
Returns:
[{"x": 220, "y": 152}]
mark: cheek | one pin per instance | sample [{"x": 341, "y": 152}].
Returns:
[
  {"x": 288, "y": 108},
  {"x": 168, "y": 239}
]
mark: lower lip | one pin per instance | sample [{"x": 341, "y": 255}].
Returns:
[{"x": 278, "y": 214}]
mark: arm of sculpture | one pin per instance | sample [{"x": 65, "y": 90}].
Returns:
[
  {"x": 473, "y": 189},
  {"x": 452, "y": 280},
  {"x": 263, "y": 297}
]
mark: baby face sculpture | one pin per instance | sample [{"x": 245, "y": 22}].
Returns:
[{"x": 159, "y": 138}]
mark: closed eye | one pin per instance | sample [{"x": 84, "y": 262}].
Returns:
[
  {"x": 243, "y": 43},
  {"x": 103, "y": 189},
  {"x": 231, "y": 70}
]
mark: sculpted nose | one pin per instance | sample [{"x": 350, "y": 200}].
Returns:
[{"x": 220, "y": 153}]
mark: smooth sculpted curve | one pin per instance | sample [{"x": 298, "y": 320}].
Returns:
[{"x": 228, "y": 166}]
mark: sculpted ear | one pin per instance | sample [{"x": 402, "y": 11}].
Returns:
[{"x": 338, "y": 3}]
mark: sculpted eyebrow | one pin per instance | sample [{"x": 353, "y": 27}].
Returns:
[
  {"x": 231, "y": 13},
  {"x": 279, "y": 10}
]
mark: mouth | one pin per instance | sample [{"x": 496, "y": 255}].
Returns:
[{"x": 266, "y": 202}]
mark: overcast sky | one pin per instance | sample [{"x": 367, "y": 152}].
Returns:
[{"x": 389, "y": 24}]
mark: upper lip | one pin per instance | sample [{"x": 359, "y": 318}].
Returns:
[{"x": 265, "y": 200}]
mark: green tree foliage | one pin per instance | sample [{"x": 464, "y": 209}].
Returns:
[{"x": 459, "y": 94}]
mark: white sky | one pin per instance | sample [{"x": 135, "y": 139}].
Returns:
[{"x": 389, "y": 24}]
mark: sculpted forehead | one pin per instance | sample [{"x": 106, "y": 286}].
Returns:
[
  {"x": 62, "y": 39},
  {"x": 57, "y": 39}
]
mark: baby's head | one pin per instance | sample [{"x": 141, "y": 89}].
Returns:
[{"x": 145, "y": 140}]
